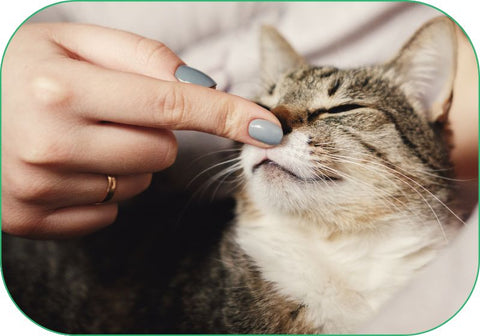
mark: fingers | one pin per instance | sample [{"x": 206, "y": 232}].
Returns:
[
  {"x": 36, "y": 222},
  {"x": 75, "y": 189},
  {"x": 74, "y": 221},
  {"x": 122, "y": 149},
  {"x": 118, "y": 50},
  {"x": 131, "y": 99},
  {"x": 104, "y": 149},
  {"x": 46, "y": 204},
  {"x": 68, "y": 209}
]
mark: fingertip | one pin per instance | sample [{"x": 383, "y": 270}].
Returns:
[
  {"x": 170, "y": 149},
  {"x": 264, "y": 129},
  {"x": 219, "y": 113},
  {"x": 252, "y": 124},
  {"x": 265, "y": 132}
]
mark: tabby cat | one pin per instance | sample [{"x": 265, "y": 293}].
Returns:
[{"x": 328, "y": 225}]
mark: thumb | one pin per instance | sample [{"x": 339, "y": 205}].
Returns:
[{"x": 116, "y": 49}]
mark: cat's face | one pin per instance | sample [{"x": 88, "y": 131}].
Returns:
[{"x": 358, "y": 143}]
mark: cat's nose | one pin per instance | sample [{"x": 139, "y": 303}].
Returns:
[{"x": 285, "y": 118}]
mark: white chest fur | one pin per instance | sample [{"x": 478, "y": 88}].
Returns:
[{"x": 343, "y": 280}]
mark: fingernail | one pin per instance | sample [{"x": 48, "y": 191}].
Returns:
[
  {"x": 187, "y": 74},
  {"x": 265, "y": 131}
]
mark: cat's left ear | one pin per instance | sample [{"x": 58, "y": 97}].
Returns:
[
  {"x": 277, "y": 56},
  {"x": 426, "y": 65}
]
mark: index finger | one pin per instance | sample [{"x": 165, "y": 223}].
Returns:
[{"x": 127, "y": 98}]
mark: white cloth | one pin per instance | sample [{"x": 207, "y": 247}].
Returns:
[{"x": 221, "y": 40}]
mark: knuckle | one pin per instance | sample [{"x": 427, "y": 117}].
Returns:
[
  {"x": 172, "y": 151},
  {"x": 229, "y": 119},
  {"x": 150, "y": 52},
  {"x": 168, "y": 152},
  {"x": 18, "y": 225},
  {"x": 45, "y": 151},
  {"x": 160, "y": 154},
  {"x": 49, "y": 91},
  {"x": 109, "y": 213},
  {"x": 29, "y": 188},
  {"x": 170, "y": 107},
  {"x": 144, "y": 182},
  {"x": 17, "y": 221}
]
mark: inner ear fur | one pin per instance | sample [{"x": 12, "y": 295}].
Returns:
[
  {"x": 277, "y": 56},
  {"x": 425, "y": 68}
]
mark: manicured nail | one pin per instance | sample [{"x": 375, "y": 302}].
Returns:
[
  {"x": 187, "y": 74},
  {"x": 265, "y": 131}
]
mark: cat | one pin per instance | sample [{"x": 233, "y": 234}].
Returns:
[
  {"x": 327, "y": 227},
  {"x": 353, "y": 202}
]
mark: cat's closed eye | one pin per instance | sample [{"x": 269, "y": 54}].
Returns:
[{"x": 333, "y": 110}]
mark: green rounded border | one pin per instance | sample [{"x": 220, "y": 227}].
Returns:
[{"x": 68, "y": 1}]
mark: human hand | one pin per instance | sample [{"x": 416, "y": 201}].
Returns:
[{"x": 80, "y": 102}]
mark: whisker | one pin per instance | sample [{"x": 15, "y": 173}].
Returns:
[
  {"x": 419, "y": 185},
  {"x": 389, "y": 171},
  {"x": 226, "y": 150},
  {"x": 212, "y": 167},
  {"x": 228, "y": 173},
  {"x": 229, "y": 170},
  {"x": 378, "y": 192},
  {"x": 443, "y": 177}
]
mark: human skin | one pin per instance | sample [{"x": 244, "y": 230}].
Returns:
[{"x": 80, "y": 102}]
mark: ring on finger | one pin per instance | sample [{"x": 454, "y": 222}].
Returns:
[{"x": 111, "y": 188}]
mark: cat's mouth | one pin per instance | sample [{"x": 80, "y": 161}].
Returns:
[{"x": 275, "y": 165}]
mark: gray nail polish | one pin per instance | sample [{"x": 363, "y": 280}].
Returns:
[
  {"x": 265, "y": 131},
  {"x": 187, "y": 74}
]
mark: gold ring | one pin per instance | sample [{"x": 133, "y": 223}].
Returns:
[{"x": 111, "y": 188}]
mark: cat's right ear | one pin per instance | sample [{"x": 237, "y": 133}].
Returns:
[
  {"x": 426, "y": 65},
  {"x": 276, "y": 56}
]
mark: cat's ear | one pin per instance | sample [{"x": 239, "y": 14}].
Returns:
[
  {"x": 426, "y": 65},
  {"x": 276, "y": 56}
]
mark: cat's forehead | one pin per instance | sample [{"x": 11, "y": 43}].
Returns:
[{"x": 319, "y": 86}]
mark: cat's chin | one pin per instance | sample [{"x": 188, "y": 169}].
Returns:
[
  {"x": 272, "y": 170},
  {"x": 272, "y": 187}
]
